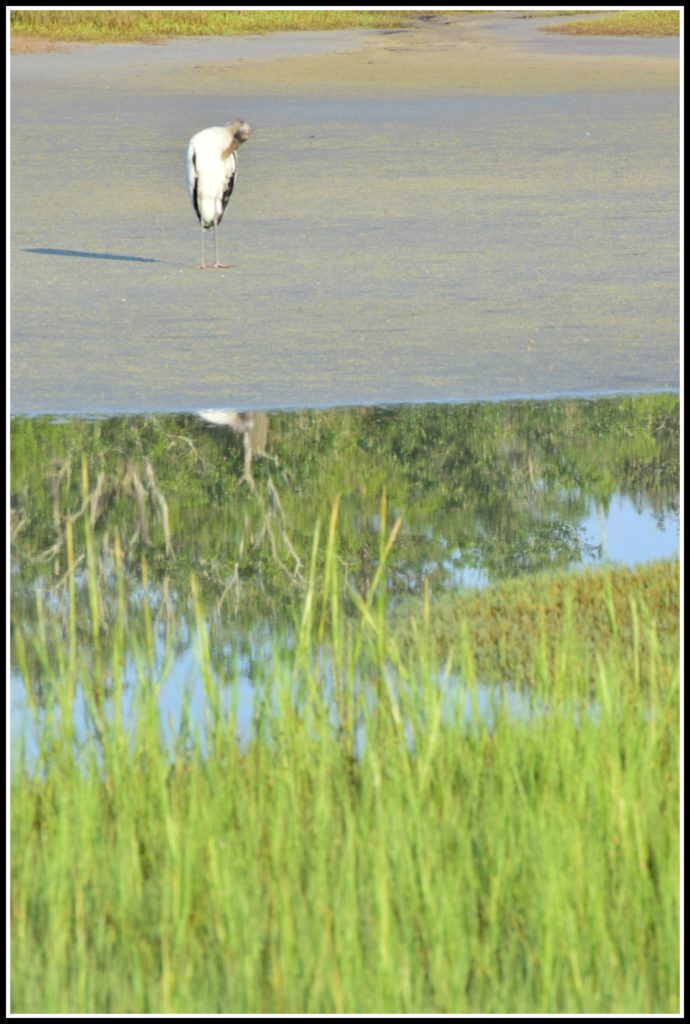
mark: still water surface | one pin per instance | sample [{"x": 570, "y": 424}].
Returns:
[{"x": 486, "y": 492}]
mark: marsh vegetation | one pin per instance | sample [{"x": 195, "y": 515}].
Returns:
[
  {"x": 622, "y": 23},
  {"x": 314, "y": 821},
  {"x": 149, "y": 26}
]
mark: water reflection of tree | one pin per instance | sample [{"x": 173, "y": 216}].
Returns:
[{"x": 497, "y": 487}]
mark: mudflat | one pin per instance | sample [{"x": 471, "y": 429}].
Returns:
[
  {"x": 465, "y": 209},
  {"x": 494, "y": 54}
]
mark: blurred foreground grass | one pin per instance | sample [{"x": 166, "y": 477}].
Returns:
[{"x": 368, "y": 847}]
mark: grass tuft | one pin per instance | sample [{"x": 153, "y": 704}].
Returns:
[
  {"x": 623, "y": 23},
  {"x": 509, "y": 620}
]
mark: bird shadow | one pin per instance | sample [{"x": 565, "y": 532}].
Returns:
[{"x": 92, "y": 255}]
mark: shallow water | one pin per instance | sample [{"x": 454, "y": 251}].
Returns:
[
  {"x": 185, "y": 717},
  {"x": 486, "y": 492},
  {"x": 528, "y": 33},
  {"x": 385, "y": 246}
]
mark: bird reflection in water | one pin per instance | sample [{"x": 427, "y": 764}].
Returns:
[{"x": 253, "y": 426}]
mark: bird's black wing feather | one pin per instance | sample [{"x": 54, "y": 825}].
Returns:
[
  {"x": 195, "y": 197},
  {"x": 227, "y": 192}
]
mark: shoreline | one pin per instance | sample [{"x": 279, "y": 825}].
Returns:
[{"x": 490, "y": 54}]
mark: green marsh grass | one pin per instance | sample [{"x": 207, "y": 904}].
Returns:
[
  {"x": 623, "y": 23},
  {"x": 103, "y": 26},
  {"x": 366, "y": 849},
  {"x": 508, "y": 621}
]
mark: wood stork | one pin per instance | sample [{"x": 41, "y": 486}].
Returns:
[{"x": 211, "y": 174}]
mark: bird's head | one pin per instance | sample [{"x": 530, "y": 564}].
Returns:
[{"x": 240, "y": 131}]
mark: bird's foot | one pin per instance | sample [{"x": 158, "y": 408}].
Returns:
[
  {"x": 202, "y": 266},
  {"x": 222, "y": 266}
]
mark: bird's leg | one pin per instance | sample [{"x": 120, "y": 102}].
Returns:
[
  {"x": 218, "y": 264},
  {"x": 202, "y": 265}
]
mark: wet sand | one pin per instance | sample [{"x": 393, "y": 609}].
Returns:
[
  {"x": 450, "y": 212},
  {"x": 494, "y": 54}
]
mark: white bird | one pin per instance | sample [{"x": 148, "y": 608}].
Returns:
[{"x": 211, "y": 174}]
